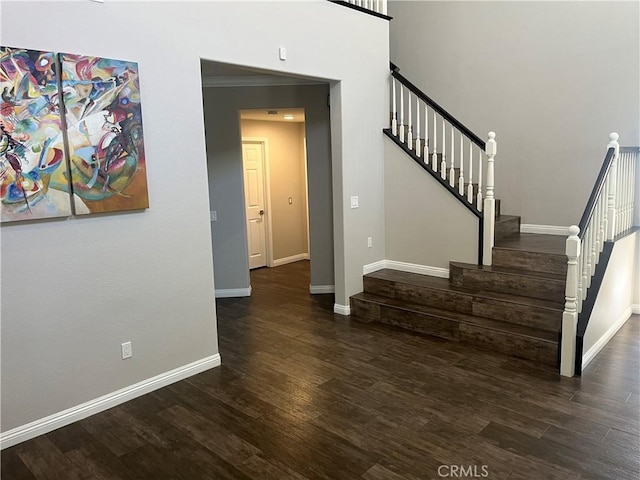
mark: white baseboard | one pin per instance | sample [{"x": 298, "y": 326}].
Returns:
[
  {"x": 74, "y": 414},
  {"x": 233, "y": 292},
  {"x": 415, "y": 268},
  {"x": 374, "y": 267},
  {"x": 608, "y": 335},
  {"x": 635, "y": 309},
  {"x": 291, "y": 259},
  {"x": 406, "y": 267},
  {"x": 544, "y": 229},
  {"x": 317, "y": 289},
  {"x": 341, "y": 309}
]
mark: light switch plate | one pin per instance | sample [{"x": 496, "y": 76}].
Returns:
[{"x": 354, "y": 201}]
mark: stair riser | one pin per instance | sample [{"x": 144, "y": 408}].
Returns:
[
  {"x": 421, "y": 295},
  {"x": 545, "y": 289},
  {"x": 507, "y": 228},
  {"x": 504, "y": 342},
  {"x": 445, "y": 300},
  {"x": 531, "y": 349},
  {"x": 418, "y": 322},
  {"x": 377, "y": 286},
  {"x": 364, "y": 311},
  {"x": 527, "y": 315},
  {"x": 538, "y": 262}
]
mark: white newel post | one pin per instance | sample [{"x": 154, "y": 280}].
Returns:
[
  {"x": 613, "y": 178},
  {"x": 489, "y": 202},
  {"x": 570, "y": 314}
]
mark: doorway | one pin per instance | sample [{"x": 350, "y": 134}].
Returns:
[
  {"x": 227, "y": 91},
  {"x": 275, "y": 185}
]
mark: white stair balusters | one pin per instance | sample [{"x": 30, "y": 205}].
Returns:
[
  {"x": 409, "y": 126},
  {"x": 627, "y": 175},
  {"x": 452, "y": 171},
  {"x": 434, "y": 158},
  {"x": 417, "y": 132},
  {"x": 609, "y": 212},
  {"x": 470, "y": 185},
  {"x": 611, "y": 197},
  {"x": 425, "y": 131},
  {"x": 443, "y": 164},
  {"x": 461, "y": 177},
  {"x": 489, "y": 201},
  {"x": 426, "y": 134},
  {"x": 570, "y": 314},
  {"x": 479, "y": 199},
  {"x": 394, "y": 113},
  {"x": 401, "y": 113}
]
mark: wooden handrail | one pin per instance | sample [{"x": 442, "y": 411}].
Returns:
[{"x": 595, "y": 192}]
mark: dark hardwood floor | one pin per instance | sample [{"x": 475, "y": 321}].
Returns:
[{"x": 303, "y": 393}]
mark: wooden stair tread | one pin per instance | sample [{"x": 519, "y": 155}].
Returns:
[
  {"x": 533, "y": 242},
  {"x": 511, "y": 271},
  {"x": 438, "y": 283},
  {"x": 511, "y": 328}
]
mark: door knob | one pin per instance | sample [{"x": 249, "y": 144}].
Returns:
[{"x": 261, "y": 212}]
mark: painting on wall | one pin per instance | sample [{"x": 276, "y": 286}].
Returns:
[
  {"x": 33, "y": 168},
  {"x": 104, "y": 132}
]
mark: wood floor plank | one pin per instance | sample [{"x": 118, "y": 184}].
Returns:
[{"x": 304, "y": 394}]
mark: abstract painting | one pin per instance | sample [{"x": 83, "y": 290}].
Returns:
[
  {"x": 104, "y": 132},
  {"x": 33, "y": 168}
]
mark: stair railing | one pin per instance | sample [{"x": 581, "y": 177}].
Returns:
[
  {"x": 609, "y": 212},
  {"x": 448, "y": 150},
  {"x": 376, "y": 6}
]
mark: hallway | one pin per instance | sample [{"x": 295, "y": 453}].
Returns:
[{"x": 303, "y": 393}]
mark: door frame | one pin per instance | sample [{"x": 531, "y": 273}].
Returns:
[{"x": 267, "y": 195}]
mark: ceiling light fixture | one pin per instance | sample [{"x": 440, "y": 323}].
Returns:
[{"x": 288, "y": 117}]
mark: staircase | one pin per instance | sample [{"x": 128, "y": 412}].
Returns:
[{"x": 513, "y": 306}]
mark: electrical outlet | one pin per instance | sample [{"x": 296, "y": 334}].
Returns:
[
  {"x": 126, "y": 350},
  {"x": 369, "y": 242},
  {"x": 214, "y": 215}
]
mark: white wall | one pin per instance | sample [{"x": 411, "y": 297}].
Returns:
[
  {"x": 618, "y": 293},
  {"x": 74, "y": 290},
  {"x": 424, "y": 223},
  {"x": 552, "y": 79}
]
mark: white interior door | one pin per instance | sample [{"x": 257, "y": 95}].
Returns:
[{"x": 253, "y": 161}]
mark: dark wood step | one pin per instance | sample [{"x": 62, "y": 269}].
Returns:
[
  {"x": 506, "y": 226},
  {"x": 546, "y": 286},
  {"x": 440, "y": 293},
  {"x": 528, "y": 311},
  {"x": 542, "y": 253},
  {"x": 517, "y": 340}
]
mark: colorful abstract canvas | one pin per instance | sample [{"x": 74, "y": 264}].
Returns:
[
  {"x": 33, "y": 168},
  {"x": 104, "y": 131}
]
